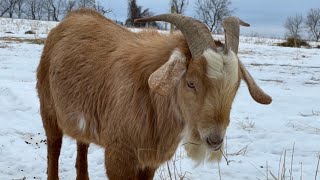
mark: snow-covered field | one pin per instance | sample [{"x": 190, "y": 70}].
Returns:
[
  {"x": 261, "y": 140},
  {"x": 20, "y": 26}
]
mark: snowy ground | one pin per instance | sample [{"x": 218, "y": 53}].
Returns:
[
  {"x": 257, "y": 138},
  {"x": 20, "y": 26}
]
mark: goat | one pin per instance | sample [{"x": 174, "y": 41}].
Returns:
[{"x": 138, "y": 95}]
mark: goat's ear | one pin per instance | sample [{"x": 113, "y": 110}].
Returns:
[
  {"x": 256, "y": 92},
  {"x": 164, "y": 80}
]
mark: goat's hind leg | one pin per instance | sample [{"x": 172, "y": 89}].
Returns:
[
  {"x": 82, "y": 162},
  {"x": 54, "y": 141}
]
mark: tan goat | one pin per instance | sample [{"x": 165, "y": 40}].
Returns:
[{"x": 138, "y": 95}]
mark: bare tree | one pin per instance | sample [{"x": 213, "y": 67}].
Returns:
[
  {"x": 34, "y": 9},
  {"x": 93, "y": 4},
  {"x": 180, "y": 5},
  {"x": 51, "y": 10},
  {"x": 102, "y": 9},
  {"x": 294, "y": 25},
  {"x": 7, "y": 6},
  {"x": 86, "y": 3},
  {"x": 3, "y": 9},
  {"x": 19, "y": 8},
  {"x": 212, "y": 13},
  {"x": 39, "y": 9},
  {"x": 313, "y": 23},
  {"x": 70, "y": 5},
  {"x": 47, "y": 9},
  {"x": 55, "y": 6},
  {"x": 12, "y": 6}
]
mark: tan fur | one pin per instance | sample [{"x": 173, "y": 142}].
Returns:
[
  {"x": 164, "y": 79},
  {"x": 95, "y": 71}
]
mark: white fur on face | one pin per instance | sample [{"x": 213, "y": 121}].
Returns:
[{"x": 222, "y": 66}]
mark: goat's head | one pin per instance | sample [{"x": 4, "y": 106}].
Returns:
[{"x": 206, "y": 84}]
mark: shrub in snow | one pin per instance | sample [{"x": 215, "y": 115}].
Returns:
[
  {"x": 30, "y": 32},
  {"x": 294, "y": 42}
]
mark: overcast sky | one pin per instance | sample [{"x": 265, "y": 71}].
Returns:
[{"x": 265, "y": 16}]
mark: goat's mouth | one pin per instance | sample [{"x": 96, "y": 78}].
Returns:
[
  {"x": 215, "y": 148},
  {"x": 214, "y": 145}
]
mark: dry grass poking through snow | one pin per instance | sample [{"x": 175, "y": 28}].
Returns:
[
  {"x": 313, "y": 113},
  {"x": 246, "y": 125},
  {"x": 4, "y": 46},
  {"x": 23, "y": 40},
  {"x": 172, "y": 170},
  {"x": 285, "y": 168}
]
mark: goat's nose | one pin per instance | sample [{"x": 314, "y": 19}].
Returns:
[{"x": 214, "y": 141}]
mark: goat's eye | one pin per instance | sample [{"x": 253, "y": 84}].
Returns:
[{"x": 191, "y": 85}]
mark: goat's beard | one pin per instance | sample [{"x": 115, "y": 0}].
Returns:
[
  {"x": 197, "y": 150},
  {"x": 201, "y": 153}
]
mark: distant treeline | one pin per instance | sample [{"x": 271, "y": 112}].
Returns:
[{"x": 50, "y": 10}]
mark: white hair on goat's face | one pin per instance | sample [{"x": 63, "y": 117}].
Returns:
[{"x": 222, "y": 65}]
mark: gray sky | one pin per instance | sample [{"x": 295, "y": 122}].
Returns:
[{"x": 265, "y": 16}]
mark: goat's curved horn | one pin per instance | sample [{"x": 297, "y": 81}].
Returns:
[
  {"x": 196, "y": 33},
  {"x": 231, "y": 27}
]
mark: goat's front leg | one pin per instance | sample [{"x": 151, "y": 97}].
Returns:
[
  {"x": 121, "y": 164},
  {"x": 146, "y": 173}
]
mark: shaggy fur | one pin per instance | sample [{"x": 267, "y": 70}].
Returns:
[{"x": 130, "y": 93}]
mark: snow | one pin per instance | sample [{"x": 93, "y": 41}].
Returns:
[
  {"x": 257, "y": 138},
  {"x": 20, "y": 26}
]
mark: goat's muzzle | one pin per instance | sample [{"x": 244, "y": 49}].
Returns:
[{"x": 214, "y": 142}]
